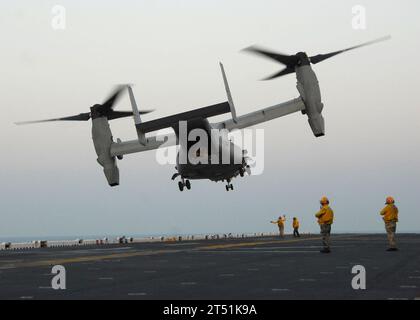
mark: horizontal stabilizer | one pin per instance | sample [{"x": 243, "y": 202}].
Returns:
[{"x": 172, "y": 121}]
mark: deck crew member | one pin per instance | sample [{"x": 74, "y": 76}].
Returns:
[
  {"x": 280, "y": 223},
  {"x": 295, "y": 225},
  {"x": 325, "y": 219},
  {"x": 390, "y": 216}
]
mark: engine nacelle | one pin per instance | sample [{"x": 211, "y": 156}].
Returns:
[
  {"x": 308, "y": 87},
  {"x": 102, "y": 140}
]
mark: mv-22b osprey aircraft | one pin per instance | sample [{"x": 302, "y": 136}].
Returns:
[{"x": 308, "y": 103}]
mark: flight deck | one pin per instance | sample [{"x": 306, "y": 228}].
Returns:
[{"x": 251, "y": 268}]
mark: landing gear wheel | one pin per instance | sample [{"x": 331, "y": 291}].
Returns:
[
  {"x": 181, "y": 186},
  {"x": 241, "y": 172},
  {"x": 188, "y": 184},
  {"x": 227, "y": 187},
  {"x": 231, "y": 187}
]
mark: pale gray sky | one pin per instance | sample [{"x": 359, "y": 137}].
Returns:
[{"x": 52, "y": 185}]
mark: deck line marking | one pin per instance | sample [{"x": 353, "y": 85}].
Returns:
[
  {"x": 93, "y": 258},
  {"x": 137, "y": 294},
  {"x": 257, "y": 243},
  {"x": 260, "y": 251},
  {"x": 307, "y": 280},
  {"x": 251, "y": 244}
]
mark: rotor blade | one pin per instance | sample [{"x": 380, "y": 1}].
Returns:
[
  {"x": 322, "y": 57},
  {"x": 109, "y": 103},
  {"x": 79, "y": 117},
  {"x": 280, "y": 73},
  {"x": 287, "y": 60},
  {"x": 121, "y": 114}
]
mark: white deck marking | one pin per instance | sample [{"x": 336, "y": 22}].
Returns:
[
  {"x": 26, "y": 297},
  {"x": 408, "y": 287},
  {"x": 44, "y": 287},
  {"x": 111, "y": 249},
  {"x": 137, "y": 294},
  {"x": 307, "y": 280},
  {"x": 191, "y": 283},
  {"x": 106, "y": 278},
  {"x": 280, "y": 290},
  {"x": 150, "y": 271},
  {"x": 414, "y": 277},
  {"x": 258, "y": 251},
  {"x": 6, "y": 267},
  {"x": 290, "y": 247},
  {"x": 227, "y": 275},
  {"x": 253, "y": 269},
  {"x": 181, "y": 244}
]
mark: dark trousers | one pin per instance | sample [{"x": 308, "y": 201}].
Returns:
[
  {"x": 296, "y": 232},
  {"x": 326, "y": 233}
]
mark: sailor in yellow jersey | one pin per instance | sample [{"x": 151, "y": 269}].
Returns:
[
  {"x": 390, "y": 216},
  {"x": 325, "y": 219},
  {"x": 280, "y": 223}
]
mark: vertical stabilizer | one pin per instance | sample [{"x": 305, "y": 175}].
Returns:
[
  {"x": 229, "y": 95},
  {"x": 136, "y": 115}
]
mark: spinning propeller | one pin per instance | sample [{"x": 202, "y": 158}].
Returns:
[
  {"x": 301, "y": 58},
  {"x": 105, "y": 109}
]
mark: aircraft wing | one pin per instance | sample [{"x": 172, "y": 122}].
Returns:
[
  {"x": 262, "y": 115},
  {"x": 244, "y": 121}
]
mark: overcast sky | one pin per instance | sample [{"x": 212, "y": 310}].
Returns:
[{"x": 52, "y": 185}]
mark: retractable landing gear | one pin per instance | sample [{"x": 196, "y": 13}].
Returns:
[
  {"x": 182, "y": 184},
  {"x": 229, "y": 186}
]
